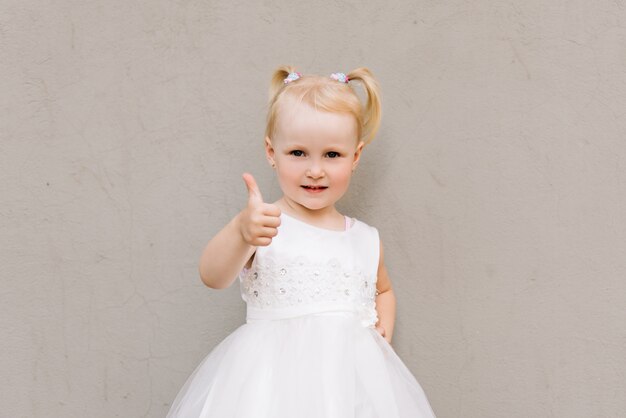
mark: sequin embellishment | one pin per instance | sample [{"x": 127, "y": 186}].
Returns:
[{"x": 299, "y": 281}]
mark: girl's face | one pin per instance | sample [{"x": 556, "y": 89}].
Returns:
[{"x": 313, "y": 148}]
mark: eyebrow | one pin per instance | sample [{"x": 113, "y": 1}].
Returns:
[{"x": 303, "y": 146}]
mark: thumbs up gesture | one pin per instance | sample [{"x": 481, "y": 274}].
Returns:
[{"x": 259, "y": 221}]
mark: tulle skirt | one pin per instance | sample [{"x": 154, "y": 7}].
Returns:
[{"x": 314, "y": 366}]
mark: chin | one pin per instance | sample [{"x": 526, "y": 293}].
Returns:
[{"x": 313, "y": 205}]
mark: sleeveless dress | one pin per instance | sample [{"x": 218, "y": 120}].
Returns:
[{"x": 309, "y": 348}]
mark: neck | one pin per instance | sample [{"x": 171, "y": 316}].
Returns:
[{"x": 291, "y": 207}]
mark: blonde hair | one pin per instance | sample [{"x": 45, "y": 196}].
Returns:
[{"x": 327, "y": 94}]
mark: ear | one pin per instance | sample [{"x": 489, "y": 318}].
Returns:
[
  {"x": 269, "y": 150},
  {"x": 357, "y": 154}
]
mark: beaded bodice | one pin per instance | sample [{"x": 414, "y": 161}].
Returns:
[{"x": 307, "y": 269}]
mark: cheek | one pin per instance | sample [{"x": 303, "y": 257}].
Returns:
[
  {"x": 343, "y": 174},
  {"x": 289, "y": 170}
]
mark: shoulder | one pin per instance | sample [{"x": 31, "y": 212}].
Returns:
[
  {"x": 383, "y": 281},
  {"x": 367, "y": 227},
  {"x": 375, "y": 245},
  {"x": 371, "y": 232}
]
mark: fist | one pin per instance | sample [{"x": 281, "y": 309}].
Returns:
[
  {"x": 259, "y": 221},
  {"x": 380, "y": 330}
]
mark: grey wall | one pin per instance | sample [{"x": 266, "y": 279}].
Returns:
[{"x": 497, "y": 183}]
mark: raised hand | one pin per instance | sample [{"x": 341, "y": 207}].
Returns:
[{"x": 259, "y": 221}]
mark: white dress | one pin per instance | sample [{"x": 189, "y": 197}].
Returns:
[{"x": 308, "y": 348}]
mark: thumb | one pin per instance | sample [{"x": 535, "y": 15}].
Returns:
[{"x": 254, "y": 194}]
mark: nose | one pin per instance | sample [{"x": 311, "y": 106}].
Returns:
[{"x": 315, "y": 170}]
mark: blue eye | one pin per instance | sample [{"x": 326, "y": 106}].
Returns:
[{"x": 299, "y": 153}]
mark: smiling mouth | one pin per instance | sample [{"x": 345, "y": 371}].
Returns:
[{"x": 315, "y": 187}]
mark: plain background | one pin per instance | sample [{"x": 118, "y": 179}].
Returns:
[{"x": 497, "y": 182}]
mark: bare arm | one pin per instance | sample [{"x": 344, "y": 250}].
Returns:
[
  {"x": 227, "y": 252},
  {"x": 385, "y": 301},
  {"x": 224, "y": 256}
]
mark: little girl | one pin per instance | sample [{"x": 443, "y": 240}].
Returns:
[{"x": 320, "y": 306}]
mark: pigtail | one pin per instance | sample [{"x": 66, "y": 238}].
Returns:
[
  {"x": 278, "y": 80},
  {"x": 372, "y": 113},
  {"x": 277, "y": 84}
]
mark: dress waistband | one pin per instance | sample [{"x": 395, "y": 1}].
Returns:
[{"x": 257, "y": 314}]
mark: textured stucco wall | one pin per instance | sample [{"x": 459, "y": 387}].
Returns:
[{"x": 498, "y": 183}]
